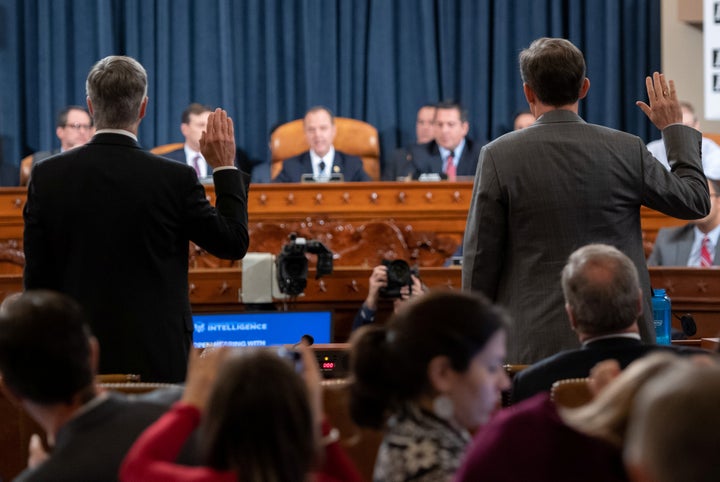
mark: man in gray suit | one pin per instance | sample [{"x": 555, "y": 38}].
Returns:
[
  {"x": 695, "y": 244},
  {"x": 544, "y": 191}
]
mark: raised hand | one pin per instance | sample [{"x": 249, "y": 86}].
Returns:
[{"x": 664, "y": 108}]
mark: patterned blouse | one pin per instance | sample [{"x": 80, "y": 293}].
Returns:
[{"x": 419, "y": 446}]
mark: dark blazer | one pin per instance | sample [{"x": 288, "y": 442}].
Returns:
[
  {"x": 92, "y": 445},
  {"x": 179, "y": 155},
  {"x": 672, "y": 247},
  {"x": 109, "y": 224},
  {"x": 544, "y": 191},
  {"x": 350, "y": 166},
  {"x": 425, "y": 159},
  {"x": 540, "y": 376}
]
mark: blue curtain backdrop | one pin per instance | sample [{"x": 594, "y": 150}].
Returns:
[{"x": 267, "y": 61}]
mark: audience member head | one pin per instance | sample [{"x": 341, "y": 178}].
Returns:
[
  {"x": 602, "y": 291},
  {"x": 319, "y": 126},
  {"x": 47, "y": 355},
  {"x": 554, "y": 70},
  {"x": 443, "y": 351},
  {"x": 117, "y": 93},
  {"x": 523, "y": 119},
  {"x": 73, "y": 127},
  {"x": 674, "y": 429},
  {"x": 261, "y": 430},
  {"x": 689, "y": 118},
  {"x": 712, "y": 220},
  {"x": 425, "y": 124},
  {"x": 451, "y": 124},
  {"x": 194, "y": 122},
  {"x": 608, "y": 415}
]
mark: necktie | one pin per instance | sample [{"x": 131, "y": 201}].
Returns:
[
  {"x": 196, "y": 164},
  {"x": 706, "y": 258},
  {"x": 321, "y": 167},
  {"x": 450, "y": 167}
]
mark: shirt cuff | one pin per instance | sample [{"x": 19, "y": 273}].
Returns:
[{"x": 224, "y": 168}]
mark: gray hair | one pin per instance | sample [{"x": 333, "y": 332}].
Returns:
[
  {"x": 601, "y": 287},
  {"x": 116, "y": 86}
]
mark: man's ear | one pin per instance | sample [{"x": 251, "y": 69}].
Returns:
[
  {"x": 571, "y": 316},
  {"x": 584, "y": 88},
  {"x": 439, "y": 373},
  {"x": 529, "y": 94},
  {"x": 143, "y": 107},
  {"x": 90, "y": 106},
  {"x": 94, "y": 355}
]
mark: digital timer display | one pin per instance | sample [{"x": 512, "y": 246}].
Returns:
[{"x": 328, "y": 365}]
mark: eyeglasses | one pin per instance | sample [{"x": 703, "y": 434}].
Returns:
[{"x": 79, "y": 127}]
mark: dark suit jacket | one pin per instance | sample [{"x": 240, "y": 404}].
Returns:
[
  {"x": 350, "y": 166},
  {"x": 92, "y": 445},
  {"x": 672, "y": 247},
  {"x": 578, "y": 363},
  {"x": 544, "y": 191},
  {"x": 179, "y": 155},
  {"x": 109, "y": 224},
  {"x": 425, "y": 159}
]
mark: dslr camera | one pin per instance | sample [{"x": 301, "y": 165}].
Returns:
[
  {"x": 399, "y": 274},
  {"x": 292, "y": 264}
]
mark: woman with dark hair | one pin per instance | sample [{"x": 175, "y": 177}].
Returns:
[
  {"x": 259, "y": 422},
  {"x": 429, "y": 377}
]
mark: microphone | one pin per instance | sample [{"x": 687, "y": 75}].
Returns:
[{"x": 689, "y": 327}]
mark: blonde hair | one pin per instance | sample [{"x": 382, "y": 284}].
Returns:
[{"x": 606, "y": 417}]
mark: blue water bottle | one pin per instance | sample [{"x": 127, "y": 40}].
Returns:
[{"x": 661, "y": 316}]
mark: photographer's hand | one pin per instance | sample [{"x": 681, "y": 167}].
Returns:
[{"x": 378, "y": 279}]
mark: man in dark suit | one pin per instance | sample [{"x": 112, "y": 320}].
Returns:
[
  {"x": 114, "y": 233},
  {"x": 48, "y": 361},
  {"x": 194, "y": 122},
  {"x": 603, "y": 301},
  {"x": 451, "y": 153},
  {"x": 322, "y": 160},
  {"x": 401, "y": 159},
  {"x": 695, "y": 244},
  {"x": 543, "y": 191},
  {"x": 73, "y": 127}
]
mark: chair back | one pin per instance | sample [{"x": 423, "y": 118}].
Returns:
[
  {"x": 361, "y": 444},
  {"x": 353, "y": 137},
  {"x": 25, "y": 168},
  {"x": 165, "y": 148},
  {"x": 571, "y": 392}
]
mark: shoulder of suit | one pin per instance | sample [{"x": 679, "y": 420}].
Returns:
[{"x": 347, "y": 157}]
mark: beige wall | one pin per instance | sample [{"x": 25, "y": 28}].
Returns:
[{"x": 682, "y": 50}]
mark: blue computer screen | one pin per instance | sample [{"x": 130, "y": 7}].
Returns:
[{"x": 261, "y": 328}]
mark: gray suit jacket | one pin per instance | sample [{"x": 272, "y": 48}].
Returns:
[
  {"x": 672, "y": 247},
  {"x": 544, "y": 191}
]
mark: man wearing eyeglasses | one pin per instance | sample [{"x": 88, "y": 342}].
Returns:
[{"x": 74, "y": 128}]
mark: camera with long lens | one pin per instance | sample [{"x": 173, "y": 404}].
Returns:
[
  {"x": 399, "y": 274},
  {"x": 292, "y": 264}
]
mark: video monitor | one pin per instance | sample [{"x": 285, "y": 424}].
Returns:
[{"x": 265, "y": 328}]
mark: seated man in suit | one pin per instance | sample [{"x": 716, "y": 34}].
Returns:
[
  {"x": 603, "y": 300},
  {"x": 194, "y": 122},
  {"x": 710, "y": 150},
  {"x": 74, "y": 127},
  {"x": 451, "y": 153},
  {"x": 695, "y": 244},
  {"x": 322, "y": 160},
  {"x": 424, "y": 133},
  {"x": 48, "y": 362}
]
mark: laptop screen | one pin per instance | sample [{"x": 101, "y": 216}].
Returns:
[{"x": 261, "y": 328}]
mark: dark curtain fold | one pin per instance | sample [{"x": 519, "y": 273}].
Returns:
[{"x": 267, "y": 61}]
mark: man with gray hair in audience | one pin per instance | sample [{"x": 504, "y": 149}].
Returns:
[{"x": 603, "y": 301}]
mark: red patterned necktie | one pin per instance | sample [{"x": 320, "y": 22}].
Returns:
[
  {"x": 706, "y": 258},
  {"x": 450, "y": 168}
]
